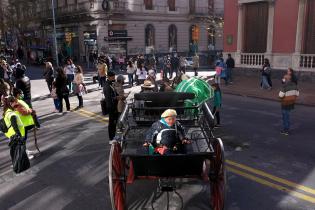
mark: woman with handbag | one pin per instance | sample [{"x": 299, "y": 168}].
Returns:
[
  {"x": 79, "y": 85},
  {"x": 62, "y": 89}
]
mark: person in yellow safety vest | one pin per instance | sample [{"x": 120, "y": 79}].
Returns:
[
  {"x": 28, "y": 115},
  {"x": 12, "y": 120}
]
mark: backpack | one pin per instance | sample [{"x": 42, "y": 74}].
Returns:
[{"x": 3, "y": 126}]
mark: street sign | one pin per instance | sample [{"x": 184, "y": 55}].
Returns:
[{"x": 117, "y": 33}]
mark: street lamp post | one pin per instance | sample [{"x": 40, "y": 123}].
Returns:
[{"x": 55, "y": 34}]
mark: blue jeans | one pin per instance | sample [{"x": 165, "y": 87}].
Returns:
[
  {"x": 70, "y": 78},
  {"x": 286, "y": 119},
  {"x": 57, "y": 103},
  {"x": 130, "y": 79},
  {"x": 264, "y": 82},
  {"x": 229, "y": 75}
]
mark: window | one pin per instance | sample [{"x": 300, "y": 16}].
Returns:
[
  {"x": 148, "y": 4},
  {"x": 211, "y": 6},
  {"x": 194, "y": 33},
  {"x": 309, "y": 39},
  {"x": 255, "y": 27},
  {"x": 149, "y": 36},
  {"x": 192, "y": 6},
  {"x": 172, "y": 37},
  {"x": 211, "y": 37},
  {"x": 171, "y": 5}
]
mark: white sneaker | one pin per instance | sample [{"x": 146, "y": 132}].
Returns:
[
  {"x": 30, "y": 152},
  {"x": 30, "y": 157}
]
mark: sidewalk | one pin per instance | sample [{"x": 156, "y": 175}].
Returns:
[{"x": 250, "y": 87}]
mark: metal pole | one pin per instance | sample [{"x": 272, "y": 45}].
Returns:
[{"x": 55, "y": 34}]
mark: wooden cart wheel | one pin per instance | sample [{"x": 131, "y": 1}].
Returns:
[
  {"x": 218, "y": 180},
  {"x": 117, "y": 184}
]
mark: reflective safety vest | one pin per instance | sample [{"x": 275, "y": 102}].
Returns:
[
  {"x": 7, "y": 119},
  {"x": 27, "y": 120}
]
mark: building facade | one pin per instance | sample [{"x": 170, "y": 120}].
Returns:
[
  {"x": 127, "y": 27},
  {"x": 281, "y": 30}
]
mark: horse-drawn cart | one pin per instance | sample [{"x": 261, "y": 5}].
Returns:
[{"x": 202, "y": 159}]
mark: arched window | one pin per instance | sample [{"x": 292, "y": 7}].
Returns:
[
  {"x": 172, "y": 37},
  {"x": 211, "y": 37},
  {"x": 149, "y": 36},
  {"x": 194, "y": 32},
  {"x": 148, "y": 4}
]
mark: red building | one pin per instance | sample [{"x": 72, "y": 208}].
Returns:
[{"x": 281, "y": 30}]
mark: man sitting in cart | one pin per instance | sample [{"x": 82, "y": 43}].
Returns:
[{"x": 167, "y": 135}]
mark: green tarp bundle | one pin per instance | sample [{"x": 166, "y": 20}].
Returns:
[{"x": 202, "y": 90}]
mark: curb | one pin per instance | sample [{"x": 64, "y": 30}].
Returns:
[{"x": 263, "y": 98}]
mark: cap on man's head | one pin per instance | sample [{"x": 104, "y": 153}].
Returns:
[
  {"x": 169, "y": 113},
  {"x": 111, "y": 74}
]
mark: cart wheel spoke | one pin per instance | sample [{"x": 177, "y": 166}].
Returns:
[
  {"x": 116, "y": 179},
  {"x": 218, "y": 182}
]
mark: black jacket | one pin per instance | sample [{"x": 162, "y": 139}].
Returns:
[
  {"x": 168, "y": 138},
  {"x": 61, "y": 85},
  {"x": 23, "y": 83},
  {"x": 110, "y": 96},
  {"x": 230, "y": 63},
  {"x": 49, "y": 74}
]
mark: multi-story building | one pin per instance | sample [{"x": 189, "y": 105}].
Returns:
[
  {"x": 281, "y": 30},
  {"x": 128, "y": 27}
]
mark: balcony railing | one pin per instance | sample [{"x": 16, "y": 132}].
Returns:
[
  {"x": 307, "y": 61},
  {"x": 252, "y": 59}
]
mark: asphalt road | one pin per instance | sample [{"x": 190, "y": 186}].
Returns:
[{"x": 266, "y": 171}]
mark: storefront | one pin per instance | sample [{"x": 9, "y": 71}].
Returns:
[{"x": 117, "y": 42}]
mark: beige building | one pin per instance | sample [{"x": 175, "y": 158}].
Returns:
[{"x": 128, "y": 27}]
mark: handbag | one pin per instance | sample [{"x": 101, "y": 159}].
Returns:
[
  {"x": 223, "y": 73},
  {"x": 18, "y": 154}
]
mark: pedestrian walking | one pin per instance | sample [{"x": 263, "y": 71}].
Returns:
[
  {"x": 167, "y": 66},
  {"x": 121, "y": 62},
  {"x": 142, "y": 74},
  {"x": 130, "y": 71},
  {"x": 174, "y": 65},
  {"x": 49, "y": 75},
  {"x": 230, "y": 65},
  {"x": 4, "y": 88},
  {"x": 218, "y": 72},
  {"x": 152, "y": 78},
  {"x": 79, "y": 86},
  {"x": 288, "y": 96},
  {"x": 182, "y": 64},
  {"x": 111, "y": 104},
  {"x": 24, "y": 84},
  {"x": 54, "y": 96},
  {"x": 69, "y": 71},
  {"x": 62, "y": 89},
  {"x": 294, "y": 78},
  {"x": 195, "y": 64},
  {"x": 102, "y": 69},
  {"x": 266, "y": 76},
  {"x": 217, "y": 102},
  {"x": 121, "y": 97}
]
